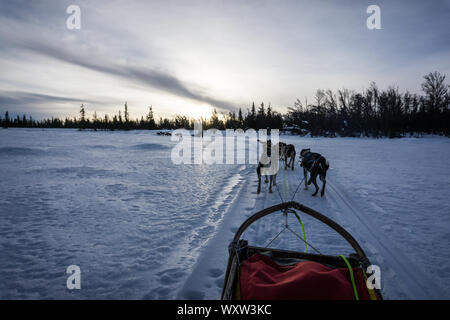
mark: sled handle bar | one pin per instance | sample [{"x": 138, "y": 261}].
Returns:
[{"x": 292, "y": 204}]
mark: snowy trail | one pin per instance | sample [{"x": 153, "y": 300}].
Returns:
[{"x": 207, "y": 276}]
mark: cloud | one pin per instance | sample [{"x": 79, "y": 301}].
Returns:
[
  {"x": 151, "y": 78},
  {"x": 22, "y": 98}
]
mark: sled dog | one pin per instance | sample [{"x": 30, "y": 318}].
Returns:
[
  {"x": 289, "y": 154},
  {"x": 266, "y": 164},
  {"x": 317, "y": 165},
  {"x": 282, "y": 149}
]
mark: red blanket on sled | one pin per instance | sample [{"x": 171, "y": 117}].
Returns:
[{"x": 263, "y": 279}]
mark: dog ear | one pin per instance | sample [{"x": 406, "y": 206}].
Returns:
[{"x": 304, "y": 151}]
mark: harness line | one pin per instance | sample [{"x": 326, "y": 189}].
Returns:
[{"x": 291, "y": 211}]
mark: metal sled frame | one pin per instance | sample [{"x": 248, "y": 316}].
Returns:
[{"x": 239, "y": 250}]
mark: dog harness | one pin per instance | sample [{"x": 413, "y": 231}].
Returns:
[{"x": 309, "y": 162}]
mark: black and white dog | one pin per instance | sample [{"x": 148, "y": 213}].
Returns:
[
  {"x": 317, "y": 165},
  {"x": 267, "y": 166}
]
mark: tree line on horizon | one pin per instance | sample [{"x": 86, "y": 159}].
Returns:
[{"x": 370, "y": 113}]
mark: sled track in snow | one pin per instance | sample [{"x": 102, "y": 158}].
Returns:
[
  {"x": 415, "y": 283},
  {"x": 207, "y": 277}
]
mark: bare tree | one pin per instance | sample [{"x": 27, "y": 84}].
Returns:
[{"x": 436, "y": 92}]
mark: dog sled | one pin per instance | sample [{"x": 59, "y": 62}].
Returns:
[{"x": 262, "y": 273}]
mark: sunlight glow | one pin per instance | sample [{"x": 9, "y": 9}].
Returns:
[{"x": 199, "y": 111}]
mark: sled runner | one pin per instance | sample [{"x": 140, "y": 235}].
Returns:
[{"x": 257, "y": 273}]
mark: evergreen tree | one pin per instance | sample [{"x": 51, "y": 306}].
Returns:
[
  {"x": 6, "y": 120},
  {"x": 269, "y": 120},
  {"x": 269, "y": 112},
  {"x": 106, "y": 124},
  {"x": 250, "y": 119},
  {"x": 261, "y": 117},
  {"x": 95, "y": 120},
  {"x": 150, "y": 119},
  {"x": 126, "y": 114},
  {"x": 82, "y": 117},
  {"x": 240, "y": 119},
  {"x": 115, "y": 123}
]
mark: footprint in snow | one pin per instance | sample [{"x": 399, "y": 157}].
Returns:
[{"x": 215, "y": 272}]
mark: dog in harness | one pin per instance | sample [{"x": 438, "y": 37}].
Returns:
[
  {"x": 317, "y": 165},
  {"x": 282, "y": 148},
  {"x": 265, "y": 164},
  {"x": 289, "y": 154}
]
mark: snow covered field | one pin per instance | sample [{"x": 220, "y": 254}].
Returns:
[{"x": 141, "y": 227}]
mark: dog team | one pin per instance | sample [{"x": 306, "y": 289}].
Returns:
[{"x": 313, "y": 163}]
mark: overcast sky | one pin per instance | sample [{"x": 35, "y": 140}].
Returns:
[{"x": 182, "y": 57}]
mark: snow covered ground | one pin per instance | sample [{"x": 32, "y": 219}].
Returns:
[{"x": 141, "y": 227}]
